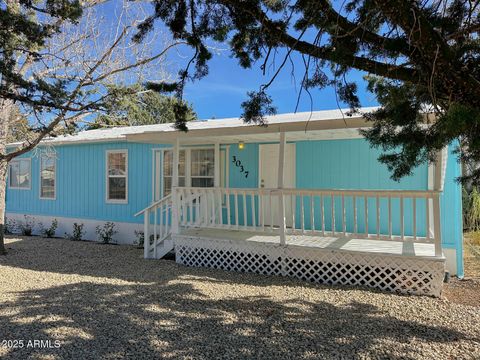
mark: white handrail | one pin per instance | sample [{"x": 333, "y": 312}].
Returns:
[
  {"x": 160, "y": 228},
  {"x": 155, "y": 204}
]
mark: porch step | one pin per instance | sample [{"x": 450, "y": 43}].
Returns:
[{"x": 164, "y": 247}]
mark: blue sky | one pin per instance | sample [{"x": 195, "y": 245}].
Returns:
[{"x": 222, "y": 91}]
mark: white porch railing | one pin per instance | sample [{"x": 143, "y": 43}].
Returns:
[
  {"x": 157, "y": 226},
  {"x": 373, "y": 214}
]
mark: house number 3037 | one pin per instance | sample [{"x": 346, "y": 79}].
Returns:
[{"x": 239, "y": 165}]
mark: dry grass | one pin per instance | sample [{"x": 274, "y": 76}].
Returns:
[
  {"x": 107, "y": 302},
  {"x": 473, "y": 238}
]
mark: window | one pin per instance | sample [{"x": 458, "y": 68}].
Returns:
[
  {"x": 19, "y": 174},
  {"x": 202, "y": 167},
  {"x": 168, "y": 170},
  {"x": 117, "y": 176},
  {"x": 196, "y": 168},
  {"x": 47, "y": 177}
]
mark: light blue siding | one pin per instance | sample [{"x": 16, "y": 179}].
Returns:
[
  {"x": 81, "y": 184},
  {"x": 352, "y": 164},
  {"x": 340, "y": 164},
  {"x": 451, "y": 208}
]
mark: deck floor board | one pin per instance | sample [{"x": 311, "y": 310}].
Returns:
[{"x": 390, "y": 247}]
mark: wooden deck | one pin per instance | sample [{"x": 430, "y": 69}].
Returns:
[
  {"x": 387, "y": 247},
  {"x": 407, "y": 267}
]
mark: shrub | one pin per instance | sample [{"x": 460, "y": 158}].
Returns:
[
  {"x": 77, "y": 233},
  {"x": 26, "y": 227},
  {"x": 140, "y": 238},
  {"x": 105, "y": 233},
  {"x": 50, "y": 231},
  {"x": 9, "y": 227}
]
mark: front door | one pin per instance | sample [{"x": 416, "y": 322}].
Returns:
[{"x": 268, "y": 179}]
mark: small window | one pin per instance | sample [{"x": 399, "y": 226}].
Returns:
[
  {"x": 203, "y": 167},
  {"x": 47, "y": 177},
  {"x": 19, "y": 174},
  {"x": 168, "y": 170},
  {"x": 117, "y": 176}
]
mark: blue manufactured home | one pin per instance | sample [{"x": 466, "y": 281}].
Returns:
[{"x": 303, "y": 197}]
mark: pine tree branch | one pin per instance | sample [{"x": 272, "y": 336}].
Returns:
[{"x": 324, "y": 52}]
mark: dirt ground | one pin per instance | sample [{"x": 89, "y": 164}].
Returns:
[
  {"x": 467, "y": 290},
  {"x": 84, "y": 300}
]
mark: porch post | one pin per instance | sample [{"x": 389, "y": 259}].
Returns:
[
  {"x": 280, "y": 182},
  {"x": 176, "y": 160},
  {"x": 217, "y": 166},
  {"x": 438, "y": 187}
]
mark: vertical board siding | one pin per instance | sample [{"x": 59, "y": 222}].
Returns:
[
  {"x": 81, "y": 184},
  {"x": 352, "y": 164},
  {"x": 249, "y": 159},
  {"x": 451, "y": 208},
  {"x": 340, "y": 164}
]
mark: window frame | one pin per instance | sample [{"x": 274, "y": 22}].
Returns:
[
  {"x": 29, "y": 160},
  {"x": 186, "y": 176},
  {"x": 107, "y": 177},
  {"x": 188, "y": 165},
  {"x": 40, "y": 179},
  {"x": 202, "y": 176}
]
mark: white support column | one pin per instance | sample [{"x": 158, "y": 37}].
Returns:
[
  {"x": 176, "y": 160},
  {"x": 217, "y": 166},
  {"x": 280, "y": 182},
  {"x": 437, "y": 179},
  {"x": 146, "y": 234},
  {"x": 437, "y": 225},
  {"x": 437, "y": 186}
]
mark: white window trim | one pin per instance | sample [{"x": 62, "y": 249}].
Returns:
[
  {"x": 40, "y": 180},
  {"x": 115, "y": 201},
  {"x": 29, "y": 172}
]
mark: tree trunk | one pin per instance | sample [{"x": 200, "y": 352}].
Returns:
[
  {"x": 5, "y": 111},
  {"x": 3, "y": 188}
]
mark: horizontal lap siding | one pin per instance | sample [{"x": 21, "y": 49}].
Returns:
[{"x": 81, "y": 184}]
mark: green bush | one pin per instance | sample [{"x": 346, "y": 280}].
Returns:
[
  {"x": 140, "y": 235},
  {"x": 26, "y": 227},
  {"x": 50, "y": 231},
  {"x": 106, "y": 232},
  {"x": 10, "y": 226},
  {"x": 77, "y": 233}
]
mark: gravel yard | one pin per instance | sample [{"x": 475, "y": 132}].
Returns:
[{"x": 106, "y": 301}]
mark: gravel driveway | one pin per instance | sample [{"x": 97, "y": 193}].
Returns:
[{"x": 106, "y": 301}]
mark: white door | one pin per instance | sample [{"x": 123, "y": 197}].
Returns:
[{"x": 268, "y": 178}]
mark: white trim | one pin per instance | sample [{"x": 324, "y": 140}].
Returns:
[
  {"x": 116, "y": 151},
  {"x": 29, "y": 174},
  {"x": 40, "y": 179},
  {"x": 188, "y": 164}
]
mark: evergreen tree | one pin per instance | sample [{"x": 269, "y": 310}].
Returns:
[
  {"x": 420, "y": 55},
  {"x": 135, "y": 105}
]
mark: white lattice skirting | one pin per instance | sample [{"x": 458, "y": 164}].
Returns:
[{"x": 402, "y": 274}]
